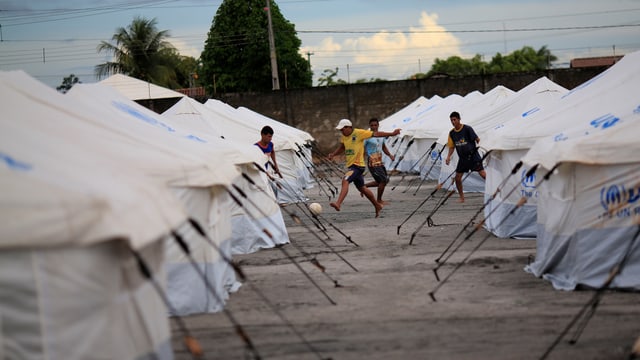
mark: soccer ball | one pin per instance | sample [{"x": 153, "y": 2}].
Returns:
[{"x": 315, "y": 208}]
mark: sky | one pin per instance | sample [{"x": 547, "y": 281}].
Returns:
[{"x": 363, "y": 39}]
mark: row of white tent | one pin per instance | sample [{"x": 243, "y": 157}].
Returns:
[
  {"x": 585, "y": 215},
  {"x": 91, "y": 181}
]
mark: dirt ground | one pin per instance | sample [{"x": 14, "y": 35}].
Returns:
[{"x": 489, "y": 308}]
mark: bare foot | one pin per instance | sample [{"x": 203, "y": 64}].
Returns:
[
  {"x": 461, "y": 200},
  {"x": 378, "y": 209},
  {"x": 335, "y": 206}
]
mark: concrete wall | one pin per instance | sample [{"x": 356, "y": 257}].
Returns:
[{"x": 317, "y": 110}]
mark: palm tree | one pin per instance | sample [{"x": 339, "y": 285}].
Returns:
[
  {"x": 545, "y": 57},
  {"x": 139, "y": 51}
]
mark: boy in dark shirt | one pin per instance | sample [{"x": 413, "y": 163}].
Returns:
[{"x": 464, "y": 139}]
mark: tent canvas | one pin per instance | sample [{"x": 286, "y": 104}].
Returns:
[
  {"x": 589, "y": 210},
  {"x": 74, "y": 291},
  {"x": 471, "y": 112},
  {"x": 249, "y": 222},
  {"x": 298, "y": 169},
  {"x": 419, "y": 134},
  {"x": 587, "y": 218},
  {"x": 400, "y": 120},
  {"x": 136, "y": 89},
  {"x": 207, "y": 202},
  {"x": 244, "y": 126},
  {"x": 520, "y": 111}
]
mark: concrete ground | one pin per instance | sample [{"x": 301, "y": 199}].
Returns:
[{"x": 489, "y": 308}]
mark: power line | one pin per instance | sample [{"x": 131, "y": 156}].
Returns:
[
  {"x": 594, "y": 27},
  {"x": 43, "y": 16}
]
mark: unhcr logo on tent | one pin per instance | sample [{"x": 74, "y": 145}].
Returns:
[
  {"x": 531, "y": 111},
  {"x": 617, "y": 199},
  {"x": 146, "y": 118},
  {"x": 528, "y": 184},
  {"x": 425, "y": 110},
  {"x": 196, "y": 138},
  {"x": 434, "y": 155},
  {"x": 14, "y": 164},
  {"x": 605, "y": 121},
  {"x": 560, "y": 137}
]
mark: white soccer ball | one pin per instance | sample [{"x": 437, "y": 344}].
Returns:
[{"x": 315, "y": 208}]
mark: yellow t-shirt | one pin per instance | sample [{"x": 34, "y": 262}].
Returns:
[{"x": 354, "y": 146}]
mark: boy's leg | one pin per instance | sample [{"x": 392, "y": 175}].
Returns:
[
  {"x": 343, "y": 194},
  {"x": 459, "y": 186},
  {"x": 369, "y": 195}
]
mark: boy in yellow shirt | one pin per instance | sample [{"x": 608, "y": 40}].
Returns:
[{"x": 352, "y": 145}]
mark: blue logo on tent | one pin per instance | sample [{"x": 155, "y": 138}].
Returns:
[
  {"x": 529, "y": 112},
  {"x": 605, "y": 121},
  {"x": 146, "y": 118},
  {"x": 615, "y": 197},
  {"x": 425, "y": 110},
  {"x": 195, "y": 138},
  {"x": 528, "y": 185},
  {"x": 612, "y": 196},
  {"x": 560, "y": 137},
  {"x": 434, "y": 155},
  {"x": 528, "y": 181},
  {"x": 407, "y": 119},
  {"x": 14, "y": 164}
]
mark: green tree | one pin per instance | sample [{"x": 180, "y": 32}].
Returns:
[
  {"x": 186, "y": 69},
  {"x": 140, "y": 50},
  {"x": 328, "y": 78},
  {"x": 457, "y": 66},
  {"x": 525, "y": 59},
  {"x": 369, "y": 80},
  {"x": 236, "y": 55},
  {"x": 67, "y": 83}
]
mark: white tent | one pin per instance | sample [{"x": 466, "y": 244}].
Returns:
[
  {"x": 205, "y": 201},
  {"x": 471, "y": 112},
  {"x": 519, "y": 113},
  {"x": 402, "y": 117},
  {"x": 136, "y": 89},
  {"x": 400, "y": 145},
  {"x": 244, "y": 125},
  {"x": 589, "y": 210},
  {"x": 297, "y": 166},
  {"x": 423, "y": 130},
  {"x": 69, "y": 285},
  {"x": 247, "y": 225}
]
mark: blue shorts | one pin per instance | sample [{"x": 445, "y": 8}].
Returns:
[
  {"x": 354, "y": 175},
  {"x": 469, "y": 163},
  {"x": 379, "y": 174}
]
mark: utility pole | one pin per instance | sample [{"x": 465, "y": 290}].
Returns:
[
  {"x": 348, "y": 76},
  {"x": 504, "y": 36},
  {"x": 272, "y": 51},
  {"x": 309, "y": 59}
]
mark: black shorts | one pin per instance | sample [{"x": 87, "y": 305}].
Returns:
[
  {"x": 354, "y": 175},
  {"x": 379, "y": 174},
  {"x": 469, "y": 163}
]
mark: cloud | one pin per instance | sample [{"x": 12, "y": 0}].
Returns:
[
  {"x": 387, "y": 54},
  {"x": 185, "y": 49}
]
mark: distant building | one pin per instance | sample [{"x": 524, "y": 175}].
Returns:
[
  {"x": 595, "y": 61},
  {"x": 192, "y": 92}
]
